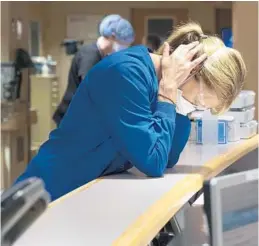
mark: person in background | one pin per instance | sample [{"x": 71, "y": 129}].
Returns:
[
  {"x": 132, "y": 110},
  {"x": 116, "y": 34},
  {"x": 152, "y": 41}
]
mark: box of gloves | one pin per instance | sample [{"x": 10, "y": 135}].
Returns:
[
  {"x": 237, "y": 123},
  {"x": 228, "y": 128},
  {"x": 243, "y": 111}
]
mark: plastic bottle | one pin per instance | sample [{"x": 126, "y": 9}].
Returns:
[
  {"x": 209, "y": 128},
  {"x": 45, "y": 69}
]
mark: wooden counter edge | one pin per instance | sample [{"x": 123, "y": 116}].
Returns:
[{"x": 153, "y": 219}]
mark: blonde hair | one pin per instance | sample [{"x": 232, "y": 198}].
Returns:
[{"x": 223, "y": 72}]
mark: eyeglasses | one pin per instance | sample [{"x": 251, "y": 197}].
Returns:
[
  {"x": 199, "y": 102},
  {"x": 194, "y": 72}
]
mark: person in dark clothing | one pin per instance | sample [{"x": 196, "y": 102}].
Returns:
[
  {"x": 152, "y": 42},
  {"x": 116, "y": 34}
]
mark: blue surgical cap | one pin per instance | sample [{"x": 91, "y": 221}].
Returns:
[{"x": 115, "y": 25}]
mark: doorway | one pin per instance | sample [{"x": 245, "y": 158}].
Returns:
[
  {"x": 156, "y": 21},
  {"x": 161, "y": 26}
]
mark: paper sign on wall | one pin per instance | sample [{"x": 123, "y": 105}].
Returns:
[{"x": 83, "y": 27}]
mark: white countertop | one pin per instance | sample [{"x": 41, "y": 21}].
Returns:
[{"x": 121, "y": 209}]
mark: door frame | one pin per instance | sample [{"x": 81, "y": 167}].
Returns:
[
  {"x": 156, "y": 17},
  {"x": 139, "y": 15}
]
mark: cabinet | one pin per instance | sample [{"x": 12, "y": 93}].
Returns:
[
  {"x": 44, "y": 99},
  {"x": 14, "y": 145}
]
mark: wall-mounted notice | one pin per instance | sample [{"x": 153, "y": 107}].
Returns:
[{"x": 83, "y": 27}]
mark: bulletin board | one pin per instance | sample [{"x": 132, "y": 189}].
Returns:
[{"x": 83, "y": 27}]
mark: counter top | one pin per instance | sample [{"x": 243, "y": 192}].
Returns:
[
  {"x": 43, "y": 76},
  {"x": 129, "y": 209}
]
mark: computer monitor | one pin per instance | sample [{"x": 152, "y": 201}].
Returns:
[{"x": 231, "y": 205}]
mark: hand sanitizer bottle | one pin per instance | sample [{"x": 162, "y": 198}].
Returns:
[
  {"x": 45, "y": 69},
  {"x": 209, "y": 128}
]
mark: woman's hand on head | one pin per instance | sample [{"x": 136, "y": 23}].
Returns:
[{"x": 177, "y": 67}]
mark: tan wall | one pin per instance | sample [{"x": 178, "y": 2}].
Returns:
[
  {"x": 26, "y": 11},
  {"x": 5, "y": 31},
  {"x": 52, "y": 16},
  {"x": 245, "y": 30},
  {"x": 55, "y": 21}
]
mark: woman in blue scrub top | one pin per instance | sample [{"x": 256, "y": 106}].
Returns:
[{"x": 132, "y": 107}]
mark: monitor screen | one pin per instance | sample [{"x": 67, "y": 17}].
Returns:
[
  {"x": 231, "y": 205},
  {"x": 240, "y": 214},
  {"x": 227, "y": 37}
]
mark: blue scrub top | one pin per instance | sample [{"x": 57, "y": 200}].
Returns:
[{"x": 114, "y": 122}]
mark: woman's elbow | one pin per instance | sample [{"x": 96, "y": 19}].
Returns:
[
  {"x": 152, "y": 165},
  {"x": 152, "y": 169},
  {"x": 157, "y": 173},
  {"x": 173, "y": 161}
]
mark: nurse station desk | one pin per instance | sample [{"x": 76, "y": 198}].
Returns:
[{"x": 130, "y": 209}]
